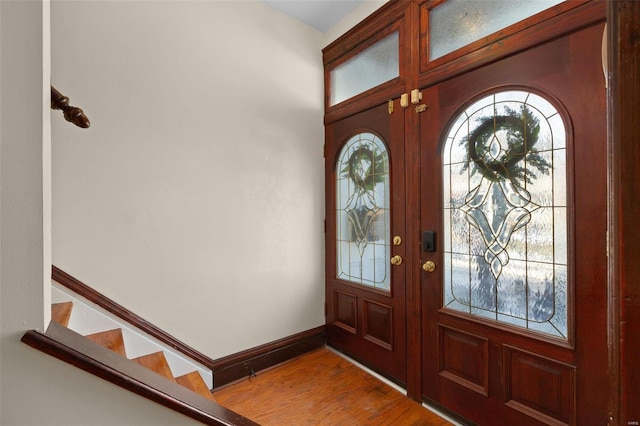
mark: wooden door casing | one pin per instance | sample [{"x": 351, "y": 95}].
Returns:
[{"x": 497, "y": 374}]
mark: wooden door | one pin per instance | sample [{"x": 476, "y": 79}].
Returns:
[
  {"x": 365, "y": 241},
  {"x": 514, "y": 186}
]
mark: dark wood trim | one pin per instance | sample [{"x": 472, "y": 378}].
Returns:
[
  {"x": 109, "y": 305},
  {"x": 623, "y": 17},
  {"x": 251, "y": 361},
  {"x": 369, "y": 27},
  {"x": 413, "y": 277},
  {"x": 70, "y": 347}
]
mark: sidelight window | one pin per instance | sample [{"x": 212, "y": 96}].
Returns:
[{"x": 505, "y": 213}]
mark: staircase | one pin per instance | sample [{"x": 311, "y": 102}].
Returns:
[
  {"x": 96, "y": 334},
  {"x": 114, "y": 340}
]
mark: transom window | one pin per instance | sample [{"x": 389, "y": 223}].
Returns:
[
  {"x": 373, "y": 66},
  {"x": 457, "y": 23}
]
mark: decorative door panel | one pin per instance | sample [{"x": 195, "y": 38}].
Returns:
[{"x": 505, "y": 212}]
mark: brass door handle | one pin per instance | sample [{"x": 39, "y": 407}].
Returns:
[
  {"x": 396, "y": 260},
  {"x": 429, "y": 266}
]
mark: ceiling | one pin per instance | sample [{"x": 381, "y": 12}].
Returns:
[{"x": 320, "y": 14}]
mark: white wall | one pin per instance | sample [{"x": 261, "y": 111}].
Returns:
[
  {"x": 366, "y": 8},
  {"x": 36, "y": 389},
  {"x": 223, "y": 202},
  {"x": 196, "y": 198}
]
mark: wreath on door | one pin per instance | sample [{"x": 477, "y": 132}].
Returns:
[
  {"x": 365, "y": 168},
  {"x": 495, "y": 161}
]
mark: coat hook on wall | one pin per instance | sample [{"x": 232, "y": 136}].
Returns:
[{"x": 72, "y": 114}]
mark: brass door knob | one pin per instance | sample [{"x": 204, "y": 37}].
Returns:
[
  {"x": 429, "y": 266},
  {"x": 396, "y": 260}
]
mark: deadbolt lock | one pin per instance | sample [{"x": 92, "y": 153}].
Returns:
[{"x": 396, "y": 260}]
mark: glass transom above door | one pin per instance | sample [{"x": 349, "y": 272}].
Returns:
[
  {"x": 456, "y": 23},
  {"x": 505, "y": 213},
  {"x": 362, "y": 212},
  {"x": 375, "y": 65}
]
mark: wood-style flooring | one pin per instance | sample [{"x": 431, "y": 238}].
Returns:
[{"x": 322, "y": 388}]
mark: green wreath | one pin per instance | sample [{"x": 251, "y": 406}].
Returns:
[
  {"x": 365, "y": 179},
  {"x": 522, "y": 130}
]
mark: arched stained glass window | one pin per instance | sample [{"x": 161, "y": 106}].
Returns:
[
  {"x": 362, "y": 212},
  {"x": 505, "y": 213}
]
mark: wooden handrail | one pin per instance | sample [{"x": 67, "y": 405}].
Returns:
[
  {"x": 72, "y": 114},
  {"x": 71, "y": 347}
]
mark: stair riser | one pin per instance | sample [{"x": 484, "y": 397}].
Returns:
[{"x": 87, "y": 318}]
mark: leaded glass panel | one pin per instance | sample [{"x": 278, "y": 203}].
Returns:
[
  {"x": 375, "y": 65},
  {"x": 362, "y": 212},
  {"x": 505, "y": 213},
  {"x": 456, "y": 23}
]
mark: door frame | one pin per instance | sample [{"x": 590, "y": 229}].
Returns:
[{"x": 623, "y": 142}]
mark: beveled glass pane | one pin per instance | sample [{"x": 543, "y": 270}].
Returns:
[
  {"x": 448, "y": 294},
  {"x": 375, "y": 65},
  {"x": 541, "y": 291},
  {"x": 457, "y": 23},
  {"x": 483, "y": 292},
  {"x": 460, "y": 274},
  {"x": 557, "y": 127},
  {"x": 505, "y": 227},
  {"x": 363, "y": 212},
  {"x": 539, "y": 244},
  {"x": 559, "y": 182}
]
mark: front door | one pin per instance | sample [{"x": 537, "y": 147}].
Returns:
[
  {"x": 513, "y": 205},
  {"x": 365, "y": 241}
]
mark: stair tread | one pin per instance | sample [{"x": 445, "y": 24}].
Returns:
[
  {"x": 194, "y": 382},
  {"x": 61, "y": 313},
  {"x": 157, "y": 362},
  {"x": 110, "y": 339}
]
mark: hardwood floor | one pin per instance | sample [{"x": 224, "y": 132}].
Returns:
[{"x": 322, "y": 388}]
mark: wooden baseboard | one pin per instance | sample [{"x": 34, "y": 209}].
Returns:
[
  {"x": 245, "y": 363},
  {"x": 225, "y": 370}
]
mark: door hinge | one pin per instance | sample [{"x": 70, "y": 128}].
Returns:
[
  {"x": 324, "y": 150},
  {"x": 390, "y": 106},
  {"x": 421, "y": 108},
  {"x": 416, "y": 96},
  {"x": 404, "y": 100}
]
